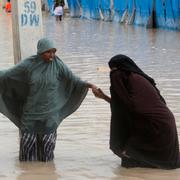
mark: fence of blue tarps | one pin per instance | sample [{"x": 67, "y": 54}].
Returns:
[
  {"x": 176, "y": 13},
  {"x": 85, "y": 5},
  {"x": 106, "y": 9},
  {"x": 131, "y": 11},
  {"x": 148, "y": 13},
  {"x": 50, "y": 5},
  {"x": 74, "y": 7},
  {"x": 168, "y": 14},
  {"x": 120, "y": 10},
  {"x": 96, "y": 9},
  {"x": 91, "y": 9}
]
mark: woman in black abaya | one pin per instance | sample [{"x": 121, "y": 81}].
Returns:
[{"x": 143, "y": 131}]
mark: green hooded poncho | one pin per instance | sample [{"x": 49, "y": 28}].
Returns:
[{"x": 36, "y": 96}]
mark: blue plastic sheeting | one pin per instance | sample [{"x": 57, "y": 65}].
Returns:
[
  {"x": 144, "y": 12},
  {"x": 106, "y": 10},
  {"x": 176, "y": 10},
  {"x": 149, "y": 13},
  {"x": 90, "y": 9},
  {"x": 131, "y": 11},
  {"x": 51, "y": 6},
  {"x": 137, "y": 19},
  {"x": 138, "y": 16},
  {"x": 94, "y": 9},
  {"x": 170, "y": 16},
  {"x": 85, "y": 8},
  {"x": 130, "y": 7},
  {"x": 160, "y": 13},
  {"x": 74, "y": 7},
  {"x": 119, "y": 9}
]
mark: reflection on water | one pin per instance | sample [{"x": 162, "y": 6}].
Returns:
[
  {"x": 82, "y": 150},
  {"x": 145, "y": 174},
  {"x": 39, "y": 170}
]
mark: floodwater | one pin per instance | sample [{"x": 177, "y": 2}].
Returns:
[{"x": 82, "y": 150}]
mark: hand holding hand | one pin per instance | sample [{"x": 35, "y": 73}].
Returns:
[{"x": 98, "y": 93}]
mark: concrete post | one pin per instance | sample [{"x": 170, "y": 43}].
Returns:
[
  {"x": 27, "y": 27},
  {"x": 3, "y": 2},
  {"x": 44, "y": 3}
]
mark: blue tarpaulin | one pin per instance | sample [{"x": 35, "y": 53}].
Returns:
[
  {"x": 51, "y": 5},
  {"x": 138, "y": 17},
  {"x": 85, "y": 8},
  {"x": 94, "y": 9},
  {"x": 74, "y": 7},
  {"x": 106, "y": 9},
  {"x": 160, "y": 13},
  {"x": 146, "y": 11},
  {"x": 176, "y": 10},
  {"x": 131, "y": 11},
  {"x": 119, "y": 9},
  {"x": 170, "y": 16}
]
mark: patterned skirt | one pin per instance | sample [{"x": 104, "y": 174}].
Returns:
[{"x": 36, "y": 147}]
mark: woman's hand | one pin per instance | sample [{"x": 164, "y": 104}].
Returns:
[{"x": 100, "y": 94}]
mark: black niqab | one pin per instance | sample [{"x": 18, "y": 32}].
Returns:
[{"x": 125, "y": 63}]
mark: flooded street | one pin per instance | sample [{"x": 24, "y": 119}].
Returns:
[{"x": 82, "y": 149}]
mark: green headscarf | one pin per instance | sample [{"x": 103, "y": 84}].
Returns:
[{"x": 44, "y": 45}]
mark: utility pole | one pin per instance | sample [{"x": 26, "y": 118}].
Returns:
[{"x": 27, "y": 27}]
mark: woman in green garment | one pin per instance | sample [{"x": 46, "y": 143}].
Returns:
[{"x": 36, "y": 95}]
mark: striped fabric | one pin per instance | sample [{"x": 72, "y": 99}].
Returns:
[{"x": 36, "y": 147}]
